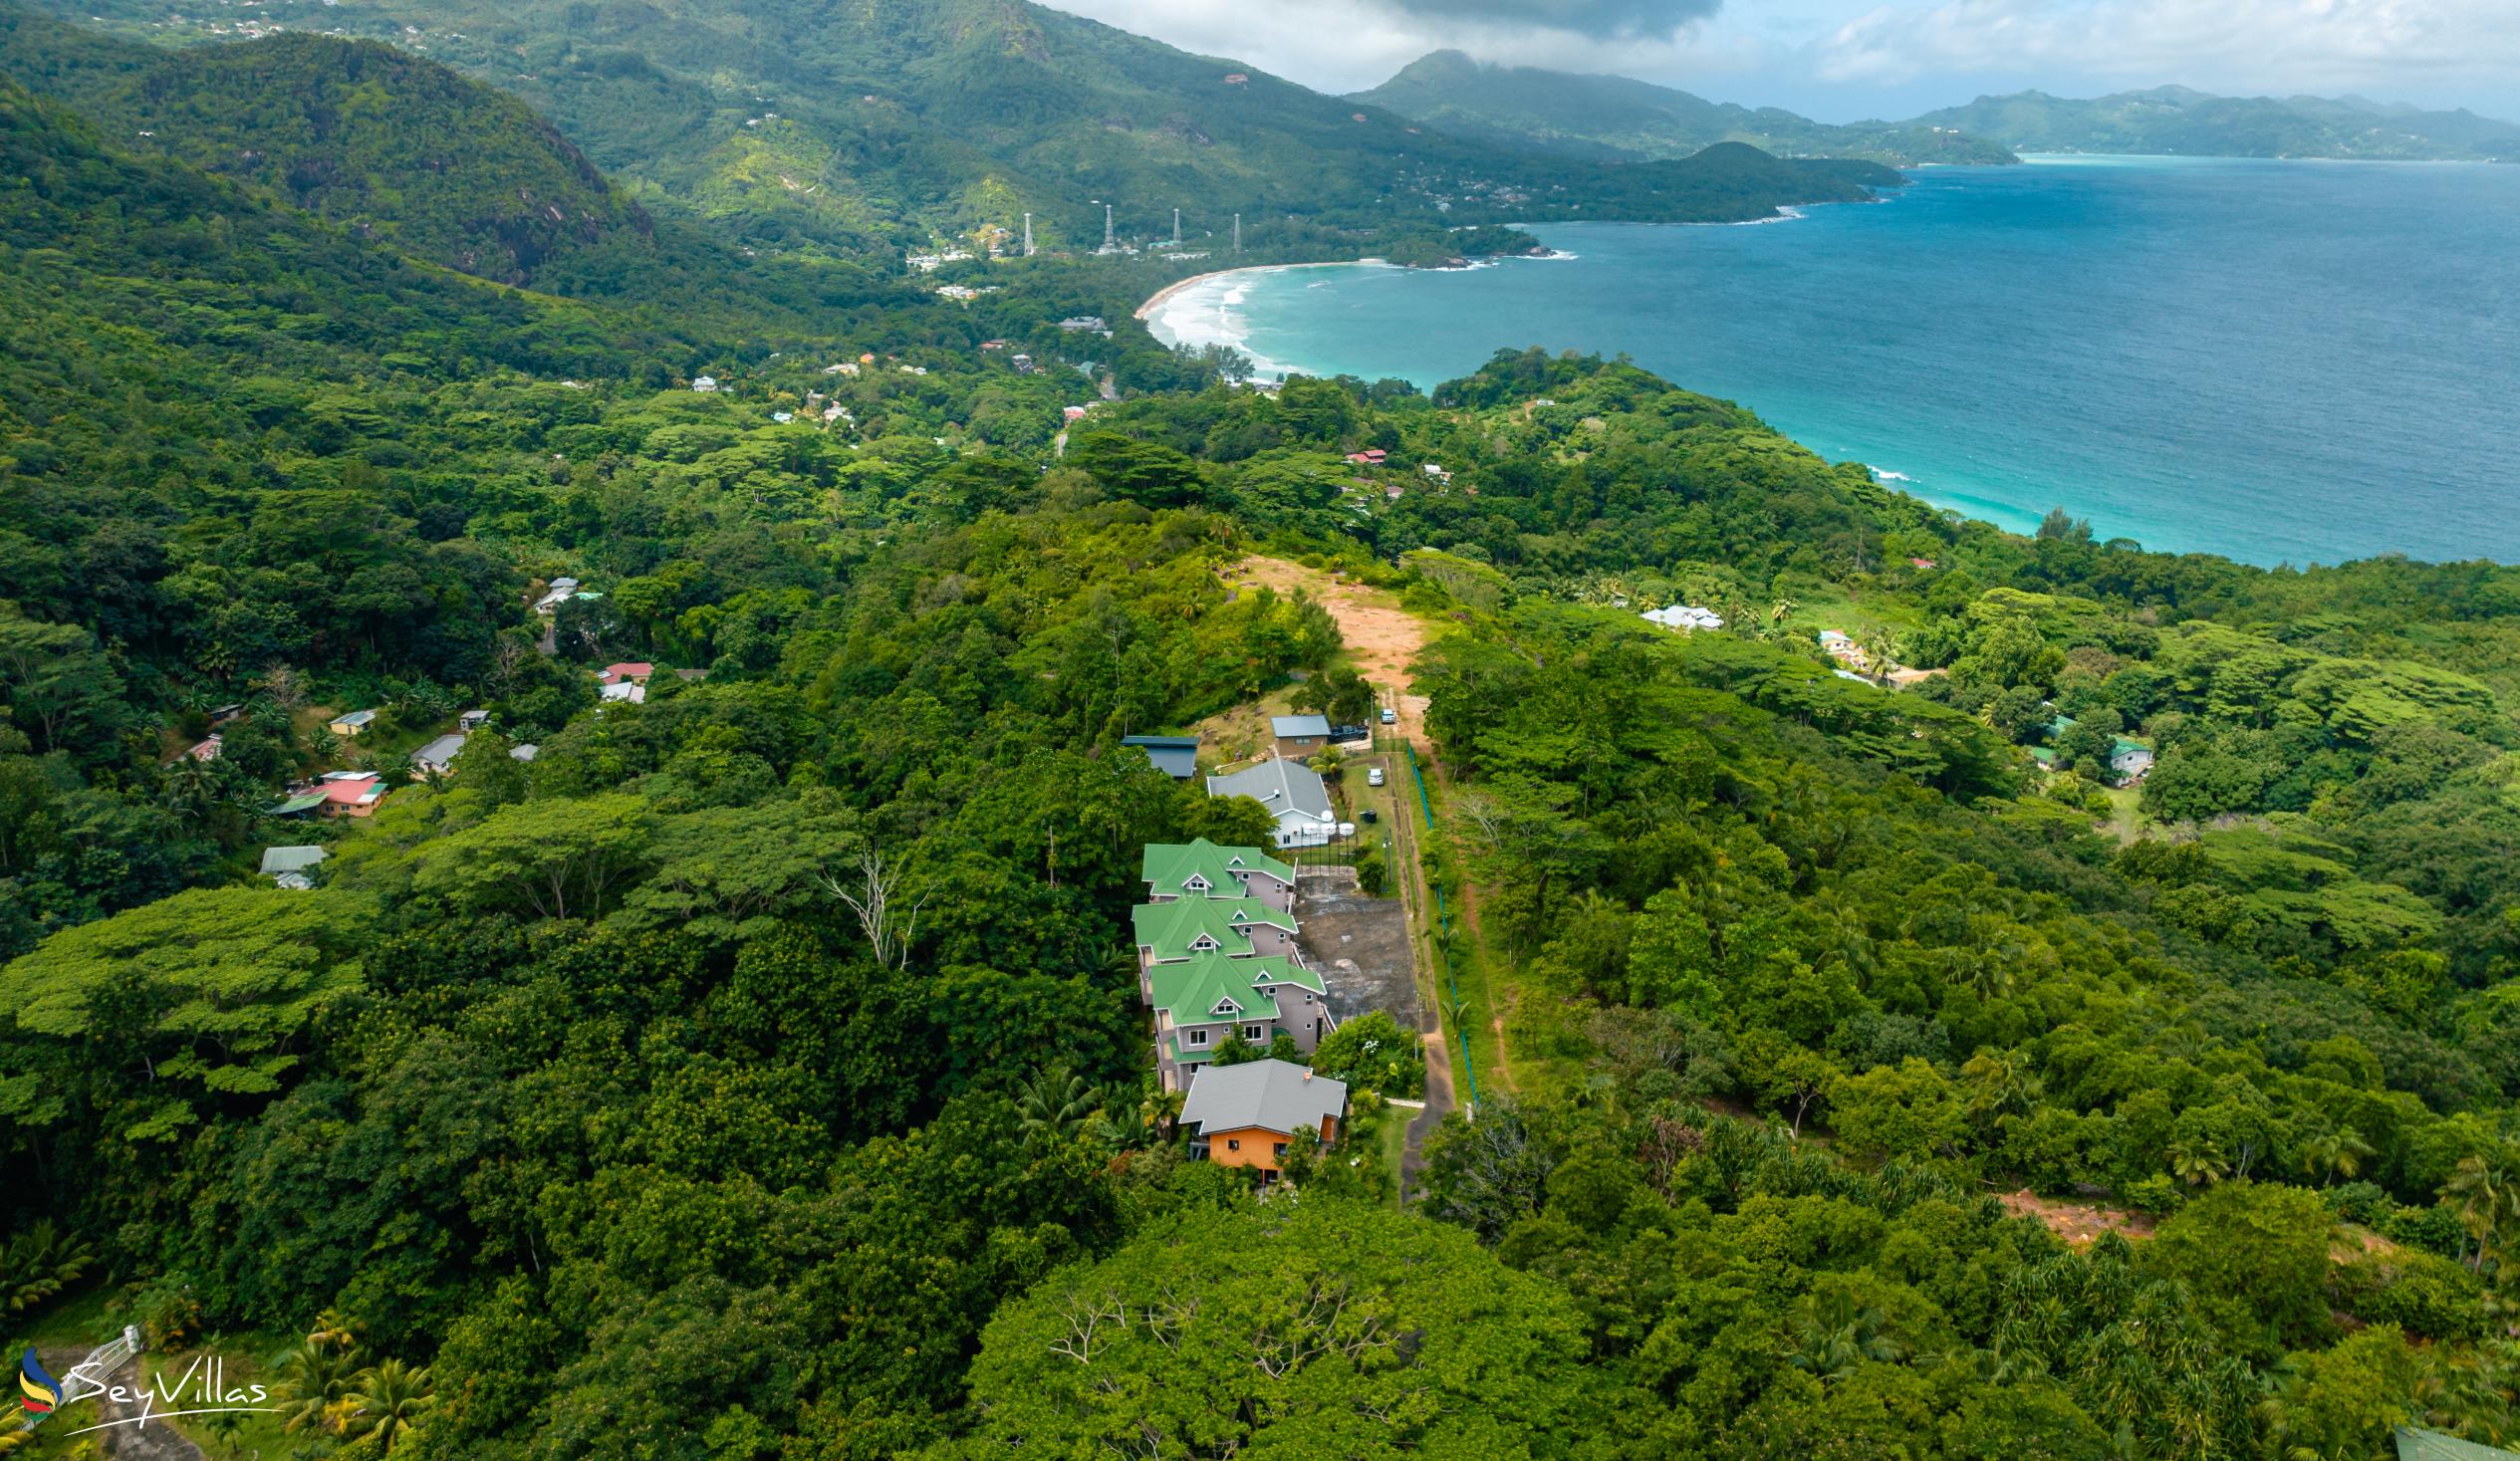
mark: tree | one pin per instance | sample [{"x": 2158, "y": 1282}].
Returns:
[
  {"x": 1140, "y": 471},
  {"x": 1056, "y": 1103},
  {"x": 200, "y": 996},
  {"x": 58, "y": 685},
  {"x": 38, "y": 1264},
  {"x": 2255, "y": 1253},
  {"x": 389, "y": 1401},
  {"x": 1372, "y": 1053},
  {"x": 1331, "y": 1328},
  {"x": 552, "y": 858},
  {"x": 1893, "y": 1112}
]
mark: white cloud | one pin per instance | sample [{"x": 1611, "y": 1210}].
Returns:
[{"x": 2398, "y": 46}]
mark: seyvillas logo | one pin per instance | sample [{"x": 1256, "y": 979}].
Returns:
[
  {"x": 201, "y": 1389},
  {"x": 38, "y": 1390}
]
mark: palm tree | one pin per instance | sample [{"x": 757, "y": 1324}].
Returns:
[
  {"x": 2482, "y": 1190},
  {"x": 1055, "y": 1100},
  {"x": 333, "y": 1327},
  {"x": 392, "y": 1400},
  {"x": 2198, "y": 1163},
  {"x": 38, "y": 1264},
  {"x": 315, "y": 1378},
  {"x": 2334, "y": 1155},
  {"x": 1833, "y": 1333}
]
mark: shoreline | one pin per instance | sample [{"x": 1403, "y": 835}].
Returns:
[{"x": 1166, "y": 295}]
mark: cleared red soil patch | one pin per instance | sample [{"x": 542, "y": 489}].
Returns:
[
  {"x": 2080, "y": 1224},
  {"x": 1381, "y": 637}
]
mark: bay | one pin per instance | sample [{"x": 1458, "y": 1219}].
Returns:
[{"x": 2277, "y": 360}]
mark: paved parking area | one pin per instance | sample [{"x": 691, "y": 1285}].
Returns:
[{"x": 1360, "y": 944}]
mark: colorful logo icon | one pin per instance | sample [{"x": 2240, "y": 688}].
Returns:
[{"x": 41, "y": 1392}]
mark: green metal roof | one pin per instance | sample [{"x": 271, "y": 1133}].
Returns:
[
  {"x": 302, "y": 802},
  {"x": 2432, "y": 1445},
  {"x": 1191, "y": 990},
  {"x": 1170, "y": 866},
  {"x": 1171, "y": 929}
]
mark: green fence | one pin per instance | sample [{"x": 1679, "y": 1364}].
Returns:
[{"x": 1443, "y": 923}]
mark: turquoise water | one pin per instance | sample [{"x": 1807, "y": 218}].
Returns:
[{"x": 2282, "y": 362}]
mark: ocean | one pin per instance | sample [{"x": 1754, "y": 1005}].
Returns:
[{"x": 2277, "y": 360}]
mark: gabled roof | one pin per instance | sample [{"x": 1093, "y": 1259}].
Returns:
[
  {"x": 440, "y": 752},
  {"x": 1280, "y": 785},
  {"x": 1170, "y": 866},
  {"x": 1299, "y": 725},
  {"x": 353, "y": 788},
  {"x": 1271, "y": 1095},
  {"x": 1173, "y": 929},
  {"x": 1192, "y": 989},
  {"x": 300, "y": 802},
  {"x": 277, "y": 860},
  {"x": 356, "y": 717}
]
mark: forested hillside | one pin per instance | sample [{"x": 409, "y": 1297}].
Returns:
[
  {"x": 343, "y": 129},
  {"x": 1615, "y": 117},
  {"x": 1868, "y": 1062},
  {"x": 2182, "y": 120},
  {"x": 879, "y": 125}
]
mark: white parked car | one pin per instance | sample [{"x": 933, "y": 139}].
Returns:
[
  {"x": 1390, "y": 716},
  {"x": 1373, "y": 775}
]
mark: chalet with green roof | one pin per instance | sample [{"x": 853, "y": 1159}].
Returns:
[
  {"x": 1238, "y": 929},
  {"x": 1202, "y": 1002},
  {"x": 1204, "y": 869}
]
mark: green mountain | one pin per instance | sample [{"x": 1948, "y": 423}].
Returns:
[
  {"x": 881, "y": 124},
  {"x": 393, "y": 146},
  {"x": 2178, "y": 120},
  {"x": 1615, "y": 117}
]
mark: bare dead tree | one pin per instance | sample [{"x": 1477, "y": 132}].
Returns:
[{"x": 870, "y": 895}]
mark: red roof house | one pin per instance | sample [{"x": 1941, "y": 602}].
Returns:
[{"x": 635, "y": 671}]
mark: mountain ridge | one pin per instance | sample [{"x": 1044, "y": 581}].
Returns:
[
  {"x": 1617, "y": 118},
  {"x": 2176, "y": 119}
]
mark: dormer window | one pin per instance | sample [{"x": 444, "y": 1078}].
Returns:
[
  {"x": 1227, "y": 1006},
  {"x": 1203, "y": 943},
  {"x": 1196, "y": 883}
]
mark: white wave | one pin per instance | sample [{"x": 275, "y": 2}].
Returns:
[
  {"x": 1881, "y": 476},
  {"x": 1783, "y": 215}
]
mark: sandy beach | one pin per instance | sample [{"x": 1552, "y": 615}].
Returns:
[{"x": 1157, "y": 300}]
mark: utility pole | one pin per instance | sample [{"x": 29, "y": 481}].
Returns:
[
  {"x": 1028, "y": 235},
  {"x": 1106, "y": 228}
]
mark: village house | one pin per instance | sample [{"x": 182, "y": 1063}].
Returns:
[
  {"x": 1244, "y": 1115},
  {"x": 1176, "y": 756},
  {"x": 558, "y": 592},
  {"x": 635, "y": 671},
  {"x": 204, "y": 750},
  {"x": 1300, "y": 735},
  {"x": 348, "y": 727},
  {"x": 620, "y": 692},
  {"x": 1238, "y": 929},
  {"x": 291, "y": 867},
  {"x": 1683, "y": 618},
  {"x": 706, "y": 384},
  {"x": 438, "y": 755},
  {"x": 1202, "y": 1003},
  {"x": 350, "y": 793},
  {"x": 1203, "y": 870},
  {"x": 472, "y": 720},
  {"x": 1094, "y": 323},
  {"x": 1293, "y": 794}
]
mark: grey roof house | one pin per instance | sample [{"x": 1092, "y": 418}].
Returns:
[
  {"x": 438, "y": 754},
  {"x": 289, "y": 867},
  {"x": 1294, "y": 794},
  {"x": 1176, "y": 756},
  {"x": 1241, "y": 1116}
]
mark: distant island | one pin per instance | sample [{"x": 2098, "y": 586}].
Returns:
[
  {"x": 1619, "y": 119},
  {"x": 2176, "y": 119}
]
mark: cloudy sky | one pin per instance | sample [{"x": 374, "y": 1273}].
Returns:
[{"x": 1844, "y": 59}]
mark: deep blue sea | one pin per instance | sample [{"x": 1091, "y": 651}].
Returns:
[{"x": 2282, "y": 362}]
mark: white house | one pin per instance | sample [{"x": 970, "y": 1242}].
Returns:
[
  {"x": 706, "y": 384},
  {"x": 1294, "y": 794},
  {"x": 1684, "y": 618}
]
